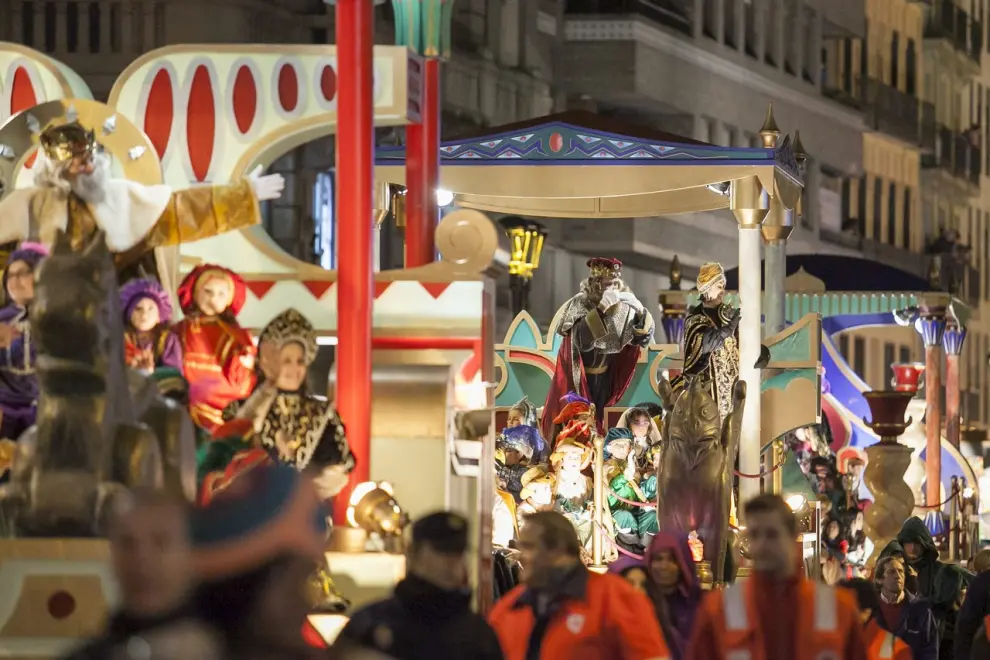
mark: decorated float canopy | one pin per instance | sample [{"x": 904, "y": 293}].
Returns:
[
  {"x": 588, "y": 166},
  {"x": 852, "y": 293}
]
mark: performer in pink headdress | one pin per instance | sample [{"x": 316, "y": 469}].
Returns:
[
  {"x": 149, "y": 343},
  {"x": 18, "y": 381}
]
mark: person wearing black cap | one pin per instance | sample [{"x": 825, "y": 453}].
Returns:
[{"x": 429, "y": 615}]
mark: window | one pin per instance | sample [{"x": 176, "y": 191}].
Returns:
[
  {"x": 892, "y": 214},
  {"x": 877, "y": 207},
  {"x": 844, "y": 347},
  {"x": 859, "y": 357},
  {"x": 115, "y": 28},
  {"x": 847, "y": 69},
  {"x": 72, "y": 27},
  {"x": 324, "y": 227},
  {"x": 911, "y": 69},
  {"x": 51, "y": 21},
  {"x": 906, "y": 220},
  {"x": 895, "y": 52},
  {"x": 846, "y": 208},
  {"x": 27, "y": 23},
  {"x": 94, "y": 27},
  {"x": 904, "y": 354},
  {"x": 889, "y": 356}
]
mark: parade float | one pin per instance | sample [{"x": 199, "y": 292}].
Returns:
[
  {"x": 851, "y": 293},
  {"x": 189, "y": 115}
]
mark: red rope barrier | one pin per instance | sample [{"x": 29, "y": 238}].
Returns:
[
  {"x": 608, "y": 537},
  {"x": 764, "y": 473},
  {"x": 624, "y": 500},
  {"x": 934, "y": 506}
]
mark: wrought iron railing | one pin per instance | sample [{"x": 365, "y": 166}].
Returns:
[{"x": 891, "y": 111}]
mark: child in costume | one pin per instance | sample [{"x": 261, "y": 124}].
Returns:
[
  {"x": 218, "y": 356},
  {"x": 149, "y": 343},
  {"x": 518, "y": 445},
  {"x": 576, "y": 420},
  {"x": 536, "y": 494},
  {"x": 18, "y": 381},
  {"x": 634, "y": 525}
]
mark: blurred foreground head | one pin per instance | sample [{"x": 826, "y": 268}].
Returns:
[
  {"x": 548, "y": 544},
  {"x": 255, "y": 546},
  {"x": 150, "y": 551},
  {"x": 437, "y": 550}
]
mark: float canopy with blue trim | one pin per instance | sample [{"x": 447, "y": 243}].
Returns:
[{"x": 579, "y": 165}]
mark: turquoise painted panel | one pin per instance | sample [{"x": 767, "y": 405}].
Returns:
[
  {"x": 793, "y": 348},
  {"x": 524, "y": 380},
  {"x": 523, "y": 337},
  {"x": 640, "y": 389},
  {"x": 781, "y": 379}
]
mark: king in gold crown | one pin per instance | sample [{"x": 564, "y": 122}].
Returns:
[
  {"x": 605, "y": 267},
  {"x": 67, "y": 142}
]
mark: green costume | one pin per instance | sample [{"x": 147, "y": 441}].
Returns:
[{"x": 633, "y": 524}]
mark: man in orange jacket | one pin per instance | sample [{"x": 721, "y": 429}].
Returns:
[
  {"x": 777, "y": 614},
  {"x": 563, "y": 611},
  {"x": 880, "y": 644}
]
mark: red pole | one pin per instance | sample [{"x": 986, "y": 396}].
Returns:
[
  {"x": 423, "y": 172},
  {"x": 355, "y": 177},
  {"x": 933, "y": 425}
]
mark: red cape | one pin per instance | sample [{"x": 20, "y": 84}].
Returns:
[{"x": 621, "y": 374}]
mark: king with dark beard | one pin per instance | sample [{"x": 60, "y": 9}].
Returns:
[{"x": 75, "y": 192}]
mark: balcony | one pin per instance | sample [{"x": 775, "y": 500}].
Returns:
[
  {"x": 844, "y": 19},
  {"x": 928, "y": 127},
  {"x": 955, "y": 156},
  {"x": 891, "y": 111},
  {"x": 949, "y": 25},
  {"x": 663, "y": 12}
]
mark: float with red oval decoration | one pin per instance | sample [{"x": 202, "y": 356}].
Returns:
[
  {"x": 288, "y": 88},
  {"x": 244, "y": 99},
  {"x": 556, "y": 142},
  {"x": 201, "y": 122},
  {"x": 159, "y": 111}
]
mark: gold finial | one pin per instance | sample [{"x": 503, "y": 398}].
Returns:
[
  {"x": 675, "y": 274},
  {"x": 770, "y": 131},
  {"x": 800, "y": 155}
]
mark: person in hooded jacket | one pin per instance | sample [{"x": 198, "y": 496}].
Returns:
[
  {"x": 429, "y": 615},
  {"x": 974, "y": 610},
  {"x": 941, "y": 584},
  {"x": 676, "y": 593}
]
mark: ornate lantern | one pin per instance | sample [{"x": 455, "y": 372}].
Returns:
[
  {"x": 526, "y": 237},
  {"x": 424, "y": 26}
]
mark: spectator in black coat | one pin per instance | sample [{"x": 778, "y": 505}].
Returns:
[
  {"x": 971, "y": 615},
  {"x": 429, "y": 615}
]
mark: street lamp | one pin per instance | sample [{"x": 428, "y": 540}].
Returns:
[{"x": 526, "y": 238}]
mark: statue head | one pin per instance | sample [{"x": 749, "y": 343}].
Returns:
[
  {"x": 537, "y": 485},
  {"x": 145, "y": 304},
  {"x": 69, "y": 311},
  {"x": 18, "y": 276},
  {"x": 287, "y": 346},
  {"x": 711, "y": 282},
  {"x": 71, "y": 145},
  {"x": 605, "y": 273},
  {"x": 694, "y": 416}
]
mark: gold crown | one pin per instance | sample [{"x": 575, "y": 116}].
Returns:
[
  {"x": 68, "y": 141},
  {"x": 605, "y": 267}
]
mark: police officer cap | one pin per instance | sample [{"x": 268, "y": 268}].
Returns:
[{"x": 443, "y": 531}]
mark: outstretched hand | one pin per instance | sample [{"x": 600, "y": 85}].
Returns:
[{"x": 266, "y": 186}]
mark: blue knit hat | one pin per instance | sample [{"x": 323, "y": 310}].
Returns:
[{"x": 269, "y": 511}]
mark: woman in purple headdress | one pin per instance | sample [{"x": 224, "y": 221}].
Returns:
[
  {"x": 18, "y": 382},
  {"x": 149, "y": 343}
]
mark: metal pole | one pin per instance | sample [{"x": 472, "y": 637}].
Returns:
[
  {"x": 598, "y": 528},
  {"x": 355, "y": 204}
]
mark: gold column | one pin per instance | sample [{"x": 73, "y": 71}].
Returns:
[{"x": 598, "y": 526}]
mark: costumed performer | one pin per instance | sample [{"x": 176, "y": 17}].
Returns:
[
  {"x": 634, "y": 525},
  {"x": 75, "y": 192},
  {"x": 149, "y": 342},
  {"x": 604, "y": 329},
  {"x": 576, "y": 419},
  {"x": 218, "y": 355},
  {"x": 18, "y": 380},
  {"x": 711, "y": 340},
  {"x": 518, "y": 445},
  {"x": 537, "y": 493},
  {"x": 645, "y": 433}
]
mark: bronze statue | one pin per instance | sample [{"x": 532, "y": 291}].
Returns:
[
  {"x": 696, "y": 464},
  {"x": 87, "y": 444}
]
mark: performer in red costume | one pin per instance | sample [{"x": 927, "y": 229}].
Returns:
[
  {"x": 604, "y": 327},
  {"x": 217, "y": 354}
]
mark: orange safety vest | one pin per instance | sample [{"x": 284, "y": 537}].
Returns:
[
  {"x": 822, "y": 628},
  {"x": 883, "y": 645},
  {"x": 612, "y": 622}
]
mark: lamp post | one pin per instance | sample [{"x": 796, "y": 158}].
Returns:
[
  {"x": 526, "y": 238},
  {"x": 423, "y": 26}
]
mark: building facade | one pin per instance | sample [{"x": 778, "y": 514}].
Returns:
[{"x": 892, "y": 99}]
